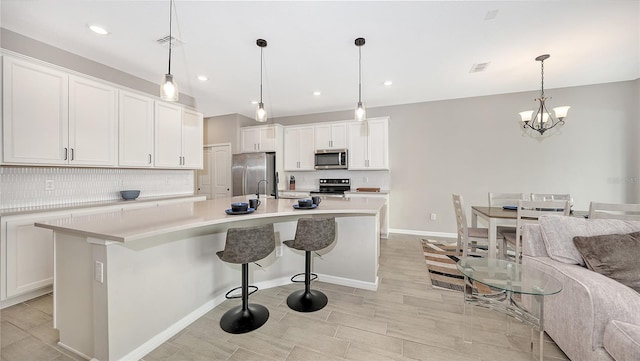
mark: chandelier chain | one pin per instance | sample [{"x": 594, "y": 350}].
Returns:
[{"x": 542, "y": 78}]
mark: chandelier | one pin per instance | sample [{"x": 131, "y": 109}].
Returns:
[
  {"x": 168, "y": 86},
  {"x": 541, "y": 119}
]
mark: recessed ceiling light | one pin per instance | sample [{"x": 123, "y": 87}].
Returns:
[
  {"x": 388, "y": 82},
  {"x": 254, "y": 102},
  {"x": 98, "y": 29},
  {"x": 316, "y": 93},
  {"x": 202, "y": 78}
]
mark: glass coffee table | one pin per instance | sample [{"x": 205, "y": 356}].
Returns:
[{"x": 515, "y": 289}]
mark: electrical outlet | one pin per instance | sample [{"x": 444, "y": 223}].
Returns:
[
  {"x": 433, "y": 216},
  {"x": 98, "y": 273},
  {"x": 49, "y": 185},
  {"x": 278, "y": 251},
  {"x": 365, "y": 179}
]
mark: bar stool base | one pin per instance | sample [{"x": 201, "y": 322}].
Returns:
[
  {"x": 303, "y": 301},
  {"x": 237, "y": 320}
]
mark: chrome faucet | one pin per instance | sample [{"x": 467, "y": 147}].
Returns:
[{"x": 258, "y": 188}]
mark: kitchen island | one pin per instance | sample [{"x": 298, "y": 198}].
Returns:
[{"x": 125, "y": 282}]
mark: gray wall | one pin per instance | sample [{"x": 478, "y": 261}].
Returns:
[
  {"x": 474, "y": 145},
  {"x": 21, "y": 44},
  {"x": 226, "y": 129}
]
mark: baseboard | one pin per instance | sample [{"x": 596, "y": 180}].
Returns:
[
  {"x": 424, "y": 233},
  {"x": 371, "y": 286},
  {"x": 76, "y": 352},
  {"x": 25, "y": 297}
]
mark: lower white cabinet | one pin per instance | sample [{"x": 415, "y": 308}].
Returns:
[{"x": 384, "y": 212}]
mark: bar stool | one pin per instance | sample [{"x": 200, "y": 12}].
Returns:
[
  {"x": 312, "y": 234},
  {"x": 244, "y": 245}
]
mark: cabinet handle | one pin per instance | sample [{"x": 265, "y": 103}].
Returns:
[
  {"x": 66, "y": 153},
  {"x": 149, "y": 158},
  {"x": 72, "y": 154},
  {"x": 183, "y": 161}
]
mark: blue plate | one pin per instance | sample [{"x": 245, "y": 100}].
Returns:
[
  {"x": 229, "y": 211},
  {"x": 510, "y": 208},
  {"x": 297, "y": 206}
]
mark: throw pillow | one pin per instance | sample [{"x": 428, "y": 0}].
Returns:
[
  {"x": 558, "y": 233},
  {"x": 614, "y": 255}
]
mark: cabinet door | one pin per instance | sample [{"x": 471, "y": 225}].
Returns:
[
  {"x": 192, "y": 139},
  {"x": 250, "y": 138},
  {"x": 291, "y": 145},
  {"x": 358, "y": 139},
  {"x": 93, "y": 125},
  {"x": 135, "y": 129},
  {"x": 339, "y": 136},
  {"x": 323, "y": 136},
  {"x": 35, "y": 113},
  {"x": 306, "y": 149},
  {"x": 377, "y": 145},
  {"x": 29, "y": 255},
  {"x": 168, "y": 135},
  {"x": 268, "y": 139}
]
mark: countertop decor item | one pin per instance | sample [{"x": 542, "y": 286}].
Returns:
[
  {"x": 368, "y": 189},
  {"x": 129, "y": 195},
  {"x": 541, "y": 119}
]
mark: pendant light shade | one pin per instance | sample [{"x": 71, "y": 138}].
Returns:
[
  {"x": 261, "y": 112},
  {"x": 360, "y": 112},
  {"x": 168, "y": 87}
]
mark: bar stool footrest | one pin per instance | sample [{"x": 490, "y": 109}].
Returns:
[
  {"x": 253, "y": 290},
  {"x": 313, "y": 277}
]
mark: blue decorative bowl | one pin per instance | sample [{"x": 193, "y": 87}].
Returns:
[
  {"x": 129, "y": 195},
  {"x": 239, "y": 207}
]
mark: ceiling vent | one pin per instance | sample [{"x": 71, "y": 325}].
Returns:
[
  {"x": 490, "y": 15},
  {"x": 476, "y": 68},
  {"x": 164, "y": 41}
]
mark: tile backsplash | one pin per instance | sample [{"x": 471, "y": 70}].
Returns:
[{"x": 42, "y": 186}]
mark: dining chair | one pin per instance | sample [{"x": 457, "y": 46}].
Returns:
[
  {"x": 529, "y": 212},
  {"x": 467, "y": 235},
  {"x": 625, "y": 211},
  {"x": 551, "y": 197},
  {"x": 506, "y": 199}
]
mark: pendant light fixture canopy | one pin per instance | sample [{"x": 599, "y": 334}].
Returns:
[
  {"x": 361, "y": 112},
  {"x": 541, "y": 119},
  {"x": 168, "y": 87},
  {"x": 261, "y": 112}
]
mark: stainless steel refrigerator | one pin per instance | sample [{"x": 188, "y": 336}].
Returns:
[{"x": 250, "y": 170}]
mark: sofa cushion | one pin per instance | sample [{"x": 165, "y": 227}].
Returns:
[
  {"x": 622, "y": 341},
  {"x": 558, "y": 233},
  {"x": 614, "y": 255}
]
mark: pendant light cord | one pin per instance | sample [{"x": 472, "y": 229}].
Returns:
[
  {"x": 542, "y": 79},
  {"x": 261, "y": 61},
  {"x": 170, "y": 37},
  {"x": 359, "y": 74}
]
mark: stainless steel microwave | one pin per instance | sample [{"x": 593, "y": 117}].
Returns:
[{"x": 331, "y": 159}]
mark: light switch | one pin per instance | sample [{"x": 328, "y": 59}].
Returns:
[{"x": 99, "y": 272}]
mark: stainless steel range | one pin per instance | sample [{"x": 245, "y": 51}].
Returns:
[{"x": 333, "y": 187}]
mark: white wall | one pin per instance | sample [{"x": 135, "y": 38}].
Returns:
[{"x": 474, "y": 145}]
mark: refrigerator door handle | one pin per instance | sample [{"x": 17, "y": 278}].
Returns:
[{"x": 244, "y": 180}]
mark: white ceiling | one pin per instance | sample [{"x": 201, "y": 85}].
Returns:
[{"x": 426, "y": 48}]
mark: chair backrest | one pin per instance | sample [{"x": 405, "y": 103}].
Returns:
[
  {"x": 461, "y": 222},
  {"x": 249, "y": 244},
  {"x": 625, "y": 211},
  {"x": 550, "y": 197},
  {"x": 530, "y": 211},
  {"x": 505, "y": 199},
  {"x": 313, "y": 234}
]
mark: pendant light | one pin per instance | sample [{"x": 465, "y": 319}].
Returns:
[
  {"x": 261, "y": 113},
  {"x": 168, "y": 87},
  {"x": 361, "y": 112}
]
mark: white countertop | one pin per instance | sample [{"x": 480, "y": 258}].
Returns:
[{"x": 130, "y": 225}]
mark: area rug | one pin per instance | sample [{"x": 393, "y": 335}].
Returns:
[{"x": 441, "y": 261}]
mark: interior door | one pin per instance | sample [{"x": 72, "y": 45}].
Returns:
[
  {"x": 204, "y": 175},
  {"x": 221, "y": 175}
]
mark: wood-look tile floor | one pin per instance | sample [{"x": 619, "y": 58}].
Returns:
[{"x": 405, "y": 319}]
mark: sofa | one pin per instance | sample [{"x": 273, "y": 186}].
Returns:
[{"x": 594, "y": 317}]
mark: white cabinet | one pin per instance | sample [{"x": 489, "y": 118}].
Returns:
[
  {"x": 93, "y": 137},
  {"x": 299, "y": 148},
  {"x": 27, "y": 255},
  {"x": 331, "y": 136},
  {"x": 368, "y": 145},
  {"x": 135, "y": 130},
  {"x": 384, "y": 212},
  {"x": 260, "y": 138},
  {"x": 178, "y": 137},
  {"x": 50, "y": 117},
  {"x": 35, "y": 113}
]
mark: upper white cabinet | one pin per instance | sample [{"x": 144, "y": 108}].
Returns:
[
  {"x": 35, "y": 113},
  {"x": 178, "y": 137},
  {"x": 299, "y": 148},
  {"x": 135, "y": 130},
  {"x": 93, "y": 126},
  {"x": 260, "y": 138},
  {"x": 331, "y": 136},
  {"x": 368, "y": 145}
]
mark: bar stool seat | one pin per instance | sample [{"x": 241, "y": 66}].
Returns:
[
  {"x": 244, "y": 245},
  {"x": 312, "y": 234}
]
